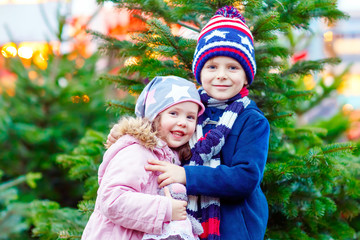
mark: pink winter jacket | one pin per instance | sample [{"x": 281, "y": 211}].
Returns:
[{"x": 127, "y": 203}]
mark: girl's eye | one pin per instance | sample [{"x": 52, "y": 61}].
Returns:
[
  {"x": 173, "y": 113},
  {"x": 191, "y": 117}
]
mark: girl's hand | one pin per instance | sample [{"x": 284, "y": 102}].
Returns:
[
  {"x": 171, "y": 173},
  {"x": 178, "y": 207}
]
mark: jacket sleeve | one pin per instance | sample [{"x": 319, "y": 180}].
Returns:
[
  {"x": 121, "y": 193},
  {"x": 243, "y": 168}
]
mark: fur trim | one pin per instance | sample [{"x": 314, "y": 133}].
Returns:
[{"x": 139, "y": 128}]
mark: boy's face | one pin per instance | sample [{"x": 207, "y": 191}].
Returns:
[{"x": 222, "y": 77}]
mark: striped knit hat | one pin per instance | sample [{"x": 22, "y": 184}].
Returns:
[{"x": 226, "y": 34}]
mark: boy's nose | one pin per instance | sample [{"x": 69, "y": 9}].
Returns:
[{"x": 221, "y": 74}]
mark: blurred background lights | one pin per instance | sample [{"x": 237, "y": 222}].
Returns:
[
  {"x": 9, "y": 50},
  {"x": 75, "y": 99},
  {"x": 328, "y": 36},
  {"x": 21, "y": 1},
  {"x": 40, "y": 60},
  {"x": 240, "y": 6},
  {"x": 62, "y": 82},
  {"x": 347, "y": 108},
  {"x": 309, "y": 82},
  {"x": 85, "y": 98},
  {"x": 33, "y": 75},
  {"x": 350, "y": 85},
  {"x": 348, "y": 46},
  {"x": 327, "y": 78},
  {"x": 25, "y": 52},
  {"x": 10, "y": 92},
  {"x": 131, "y": 61},
  {"x": 79, "y": 62}
]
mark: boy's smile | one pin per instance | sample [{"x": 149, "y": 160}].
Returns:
[{"x": 222, "y": 77}]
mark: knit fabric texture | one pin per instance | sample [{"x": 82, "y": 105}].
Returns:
[
  {"x": 163, "y": 92},
  {"x": 226, "y": 34},
  {"x": 206, "y": 152}
]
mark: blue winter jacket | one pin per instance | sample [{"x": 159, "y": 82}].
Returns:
[{"x": 243, "y": 206}]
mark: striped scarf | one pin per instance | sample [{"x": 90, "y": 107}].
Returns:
[{"x": 206, "y": 151}]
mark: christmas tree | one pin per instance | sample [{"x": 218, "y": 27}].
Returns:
[
  {"x": 311, "y": 181},
  {"x": 53, "y": 100}
]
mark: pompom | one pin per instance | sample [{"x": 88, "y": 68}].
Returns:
[
  {"x": 177, "y": 191},
  {"x": 230, "y": 12}
]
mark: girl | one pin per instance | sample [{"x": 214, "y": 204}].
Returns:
[{"x": 127, "y": 204}]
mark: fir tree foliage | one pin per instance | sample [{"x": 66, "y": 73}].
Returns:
[
  {"x": 308, "y": 182},
  {"x": 50, "y": 110},
  {"x": 311, "y": 181},
  {"x": 84, "y": 161},
  {"x": 51, "y": 221},
  {"x": 14, "y": 212}
]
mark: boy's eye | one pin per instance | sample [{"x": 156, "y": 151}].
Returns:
[
  {"x": 173, "y": 113},
  {"x": 211, "y": 66},
  {"x": 233, "y": 68}
]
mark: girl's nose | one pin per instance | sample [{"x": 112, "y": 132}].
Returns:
[{"x": 181, "y": 122}]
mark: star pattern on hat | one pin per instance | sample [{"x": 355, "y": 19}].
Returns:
[
  {"x": 150, "y": 98},
  {"x": 216, "y": 33},
  {"x": 178, "y": 92},
  {"x": 245, "y": 41}
]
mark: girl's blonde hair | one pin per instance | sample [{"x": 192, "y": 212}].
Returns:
[
  {"x": 145, "y": 131},
  {"x": 140, "y": 128}
]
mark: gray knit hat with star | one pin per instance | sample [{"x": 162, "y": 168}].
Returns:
[{"x": 163, "y": 92}]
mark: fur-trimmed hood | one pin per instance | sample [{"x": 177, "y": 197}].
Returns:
[
  {"x": 136, "y": 131},
  {"x": 139, "y": 128}
]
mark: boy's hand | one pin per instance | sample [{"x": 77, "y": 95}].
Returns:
[
  {"x": 171, "y": 173},
  {"x": 178, "y": 207}
]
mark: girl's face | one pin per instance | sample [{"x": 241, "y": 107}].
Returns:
[
  {"x": 177, "y": 123},
  {"x": 222, "y": 77}
]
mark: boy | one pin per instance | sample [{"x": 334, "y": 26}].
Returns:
[{"x": 232, "y": 204}]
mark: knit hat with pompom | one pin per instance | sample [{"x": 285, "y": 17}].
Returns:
[{"x": 226, "y": 34}]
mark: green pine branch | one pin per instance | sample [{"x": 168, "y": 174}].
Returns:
[{"x": 306, "y": 67}]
